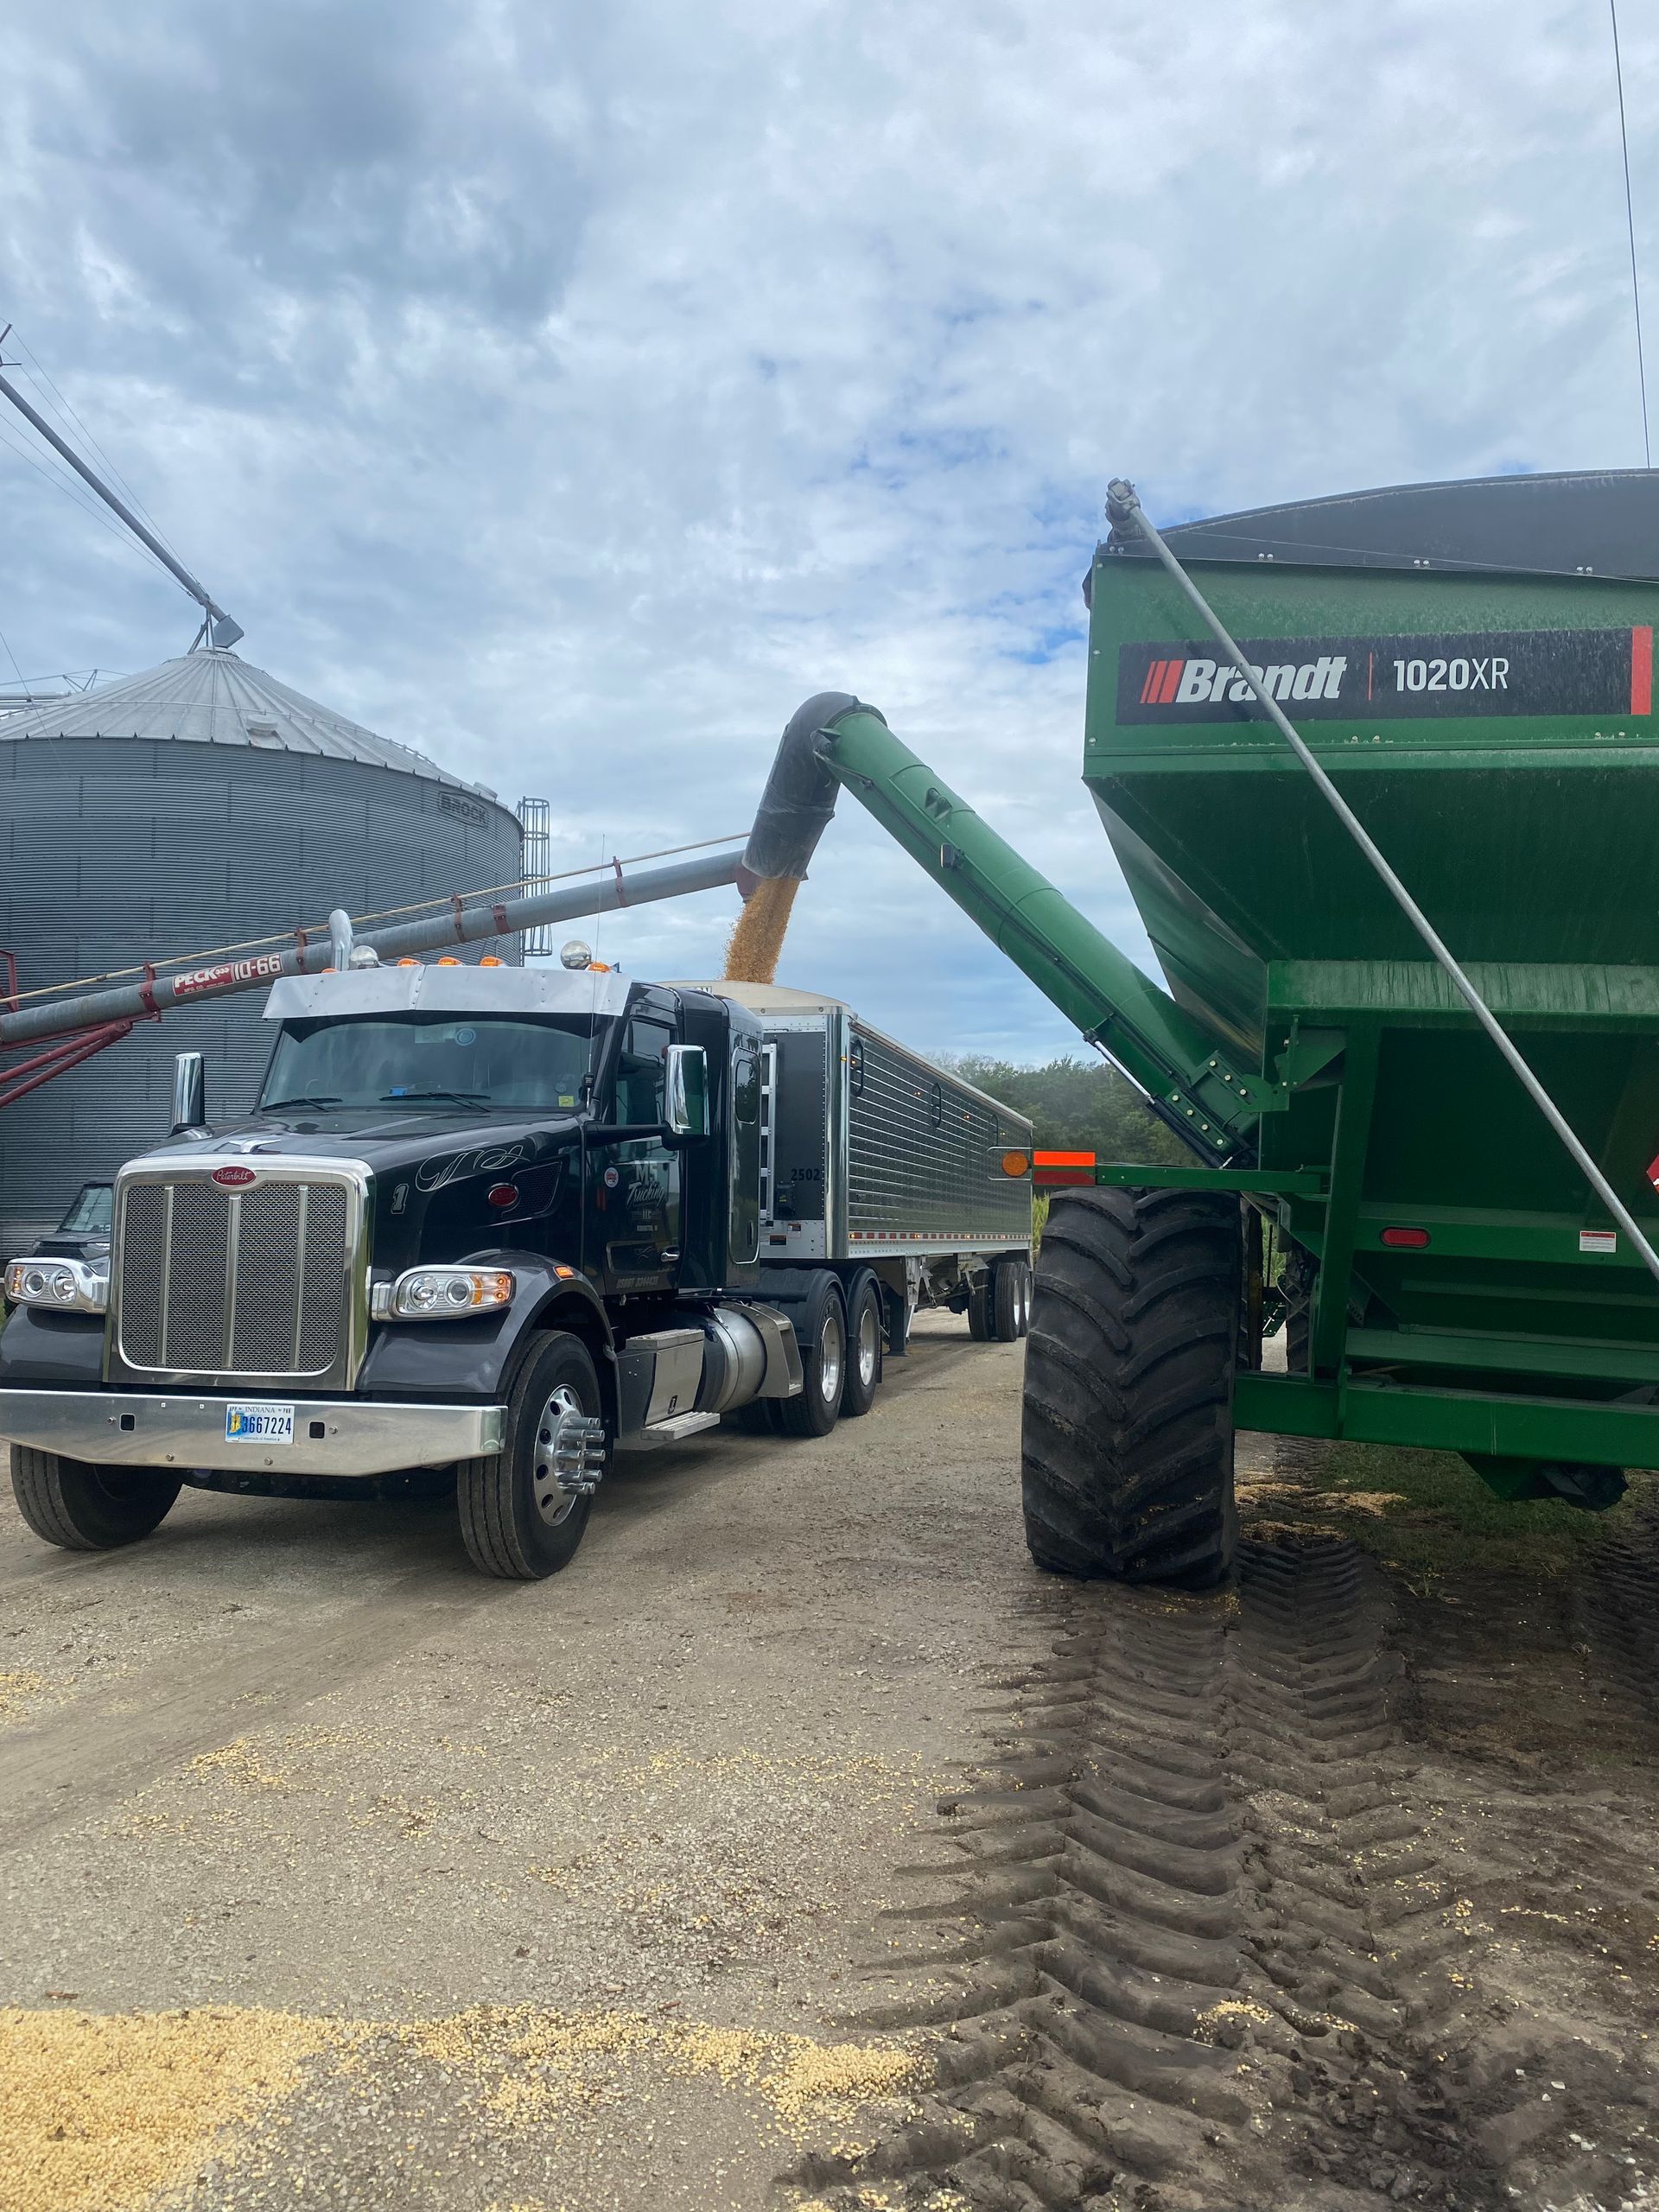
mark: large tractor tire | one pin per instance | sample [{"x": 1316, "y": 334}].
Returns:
[{"x": 1128, "y": 1446}]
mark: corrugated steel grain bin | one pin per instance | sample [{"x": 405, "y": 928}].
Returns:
[{"x": 197, "y": 805}]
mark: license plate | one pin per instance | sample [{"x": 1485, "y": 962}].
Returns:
[{"x": 258, "y": 1424}]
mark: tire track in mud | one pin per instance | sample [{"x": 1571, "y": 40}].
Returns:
[
  {"x": 1617, "y": 1609},
  {"x": 1202, "y": 1956}
]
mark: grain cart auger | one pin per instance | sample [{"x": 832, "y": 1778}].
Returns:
[{"x": 1454, "y": 1138}]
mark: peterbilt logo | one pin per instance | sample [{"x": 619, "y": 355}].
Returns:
[{"x": 234, "y": 1178}]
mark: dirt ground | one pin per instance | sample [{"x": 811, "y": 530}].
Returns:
[{"x": 801, "y": 1846}]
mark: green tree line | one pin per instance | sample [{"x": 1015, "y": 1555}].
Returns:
[{"x": 1077, "y": 1105}]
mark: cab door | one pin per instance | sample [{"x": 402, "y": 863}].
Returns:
[
  {"x": 743, "y": 1225},
  {"x": 634, "y": 1182}
]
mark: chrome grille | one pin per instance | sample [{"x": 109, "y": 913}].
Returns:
[{"x": 252, "y": 1282}]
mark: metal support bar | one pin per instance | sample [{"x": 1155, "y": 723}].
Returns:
[
  {"x": 1353, "y": 1133},
  {"x": 1288, "y": 1182},
  {"x": 464, "y": 925},
  {"x": 198, "y": 591},
  {"x": 1603, "y": 1432},
  {"x": 1124, "y": 506},
  {"x": 58, "y": 1059}
]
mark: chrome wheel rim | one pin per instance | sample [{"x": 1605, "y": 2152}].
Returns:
[
  {"x": 552, "y": 1503},
  {"x": 868, "y": 1346},
  {"x": 832, "y": 1344}
]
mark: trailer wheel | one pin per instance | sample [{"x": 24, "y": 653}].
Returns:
[
  {"x": 83, "y": 1508},
  {"x": 982, "y": 1321},
  {"x": 1009, "y": 1301},
  {"x": 863, "y": 1349},
  {"x": 515, "y": 1520},
  {"x": 822, "y": 1329},
  {"x": 1128, "y": 1443}
]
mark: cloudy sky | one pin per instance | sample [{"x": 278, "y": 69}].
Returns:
[{"x": 569, "y": 391}]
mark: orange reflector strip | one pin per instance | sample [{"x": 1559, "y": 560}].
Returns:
[{"x": 1061, "y": 1170}]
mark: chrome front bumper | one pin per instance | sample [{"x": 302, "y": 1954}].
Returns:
[{"x": 332, "y": 1436}]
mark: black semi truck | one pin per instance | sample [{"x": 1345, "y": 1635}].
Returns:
[{"x": 506, "y": 1222}]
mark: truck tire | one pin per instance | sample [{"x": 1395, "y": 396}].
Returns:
[
  {"x": 515, "y": 1521},
  {"x": 981, "y": 1325},
  {"x": 84, "y": 1508},
  {"x": 863, "y": 1349},
  {"x": 821, "y": 1327},
  {"x": 1128, "y": 1441},
  {"x": 1009, "y": 1301}
]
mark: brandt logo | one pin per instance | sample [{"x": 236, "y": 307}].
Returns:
[
  {"x": 1188, "y": 682},
  {"x": 234, "y": 1178}
]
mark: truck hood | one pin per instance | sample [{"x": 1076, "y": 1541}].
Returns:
[{"x": 384, "y": 1143}]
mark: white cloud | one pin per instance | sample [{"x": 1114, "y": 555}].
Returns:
[{"x": 570, "y": 392}]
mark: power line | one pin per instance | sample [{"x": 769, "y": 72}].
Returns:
[
  {"x": 38, "y": 377},
  {"x": 1629, "y": 224},
  {"x": 65, "y": 483}
]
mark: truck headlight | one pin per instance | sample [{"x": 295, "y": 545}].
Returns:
[
  {"x": 70, "y": 1285},
  {"x": 442, "y": 1293}
]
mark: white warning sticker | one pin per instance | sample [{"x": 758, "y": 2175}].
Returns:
[{"x": 1598, "y": 1240}]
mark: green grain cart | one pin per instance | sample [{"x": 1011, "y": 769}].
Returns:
[{"x": 1471, "y": 664}]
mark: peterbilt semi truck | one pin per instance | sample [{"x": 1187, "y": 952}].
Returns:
[{"x": 494, "y": 1225}]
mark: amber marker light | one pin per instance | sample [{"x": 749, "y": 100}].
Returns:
[{"x": 1016, "y": 1163}]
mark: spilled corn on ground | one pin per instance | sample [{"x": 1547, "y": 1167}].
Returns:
[{"x": 111, "y": 2113}]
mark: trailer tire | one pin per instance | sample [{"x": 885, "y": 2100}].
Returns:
[
  {"x": 1009, "y": 1301},
  {"x": 821, "y": 1331},
  {"x": 1127, "y": 1433},
  {"x": 864, "y": 1348},
  {"x": 981, "y": 1323},
  {"x": 506, "y": 1532},
  {"x": 84, "y": 1507}
]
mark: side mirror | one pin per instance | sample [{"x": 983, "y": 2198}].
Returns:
[
  {"x": 189, "y": 1094},
  {"x": 687, "y": 1091}
]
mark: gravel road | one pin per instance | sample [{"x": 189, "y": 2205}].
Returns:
[{"x": 801, "y": 1846}]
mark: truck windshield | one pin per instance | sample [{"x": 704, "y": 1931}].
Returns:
[
  {"x": 420, "y": 1061},
  {"x": 93, "y": 1209}
]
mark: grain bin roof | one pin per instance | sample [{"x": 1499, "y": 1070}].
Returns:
[{"x": 213, "y": 697}]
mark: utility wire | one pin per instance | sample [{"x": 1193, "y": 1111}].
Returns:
[
  {"x": 38, "y": 377},
  {"x": 66, "y": 484},
  {"x": 1630, "y": 225}
]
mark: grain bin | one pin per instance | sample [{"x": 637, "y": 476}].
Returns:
[{"x": 198, "y": 804}]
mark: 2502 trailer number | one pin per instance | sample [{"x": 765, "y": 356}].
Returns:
[{"x": 1455, "y": 674}]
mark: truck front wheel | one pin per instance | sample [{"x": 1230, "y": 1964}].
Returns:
[
  {"x": 84, "y": 1508},
  {"x": 516, "y": 1520},
  {"x": 1127, "y": 1444}
]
